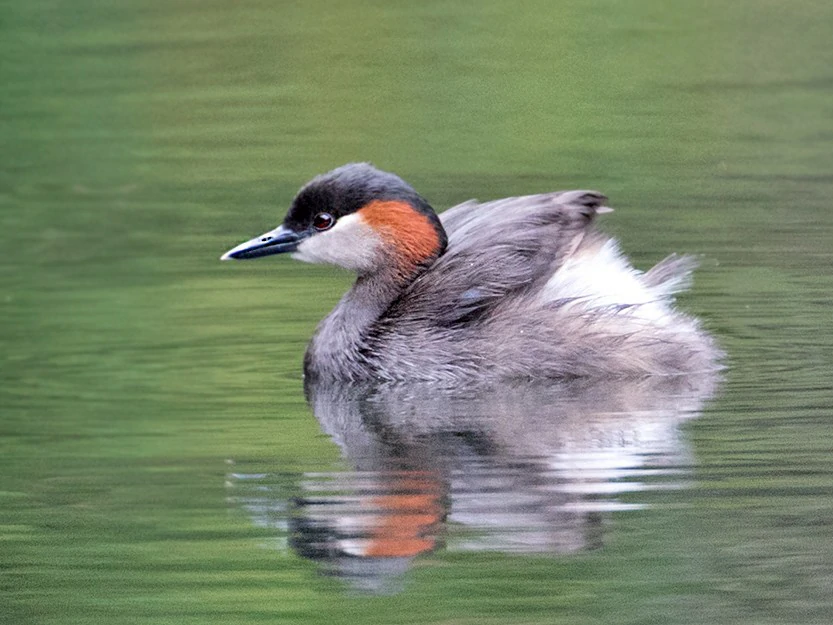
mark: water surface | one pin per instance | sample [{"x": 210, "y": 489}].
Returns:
[{"x": 159, "y": 460}]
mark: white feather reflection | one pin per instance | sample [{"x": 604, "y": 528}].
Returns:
[{"x": 525, "y": 468}]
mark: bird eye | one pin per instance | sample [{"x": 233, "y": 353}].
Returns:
[{"x": 323, "y": 221}]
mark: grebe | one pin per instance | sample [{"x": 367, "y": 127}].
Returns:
[{"x": 523, "y": 287}]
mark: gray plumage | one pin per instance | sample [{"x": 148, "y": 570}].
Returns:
[{"x": 526, "y": 288}]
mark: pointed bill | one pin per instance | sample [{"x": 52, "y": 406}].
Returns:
[{"x": 278, "y": 241}]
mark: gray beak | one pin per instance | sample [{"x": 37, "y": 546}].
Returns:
[{"x": 277, "y": 241}]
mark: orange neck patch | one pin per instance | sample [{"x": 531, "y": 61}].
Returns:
[
  {"x": 406, "y": 523},
  {"x": 404, "y": 228}
]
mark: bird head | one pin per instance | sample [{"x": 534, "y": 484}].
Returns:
[{"x": 356, "y": 217}]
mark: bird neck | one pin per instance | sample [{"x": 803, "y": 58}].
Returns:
[{"x": 339, "y": 348}]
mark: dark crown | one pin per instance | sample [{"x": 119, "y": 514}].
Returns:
[{"x": 349, "y": 188}]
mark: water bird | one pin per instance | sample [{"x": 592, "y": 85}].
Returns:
[{"x": 517, "y": 288}]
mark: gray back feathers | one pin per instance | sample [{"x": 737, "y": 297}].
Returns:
[{"x": 499, "y": 249}]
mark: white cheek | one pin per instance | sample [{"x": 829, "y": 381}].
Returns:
[{"x": 351, "y": 244}]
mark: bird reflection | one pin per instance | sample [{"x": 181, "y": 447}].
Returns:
[{"x": 521, "y": 468}]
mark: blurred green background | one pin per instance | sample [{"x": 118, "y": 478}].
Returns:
[{"x": 141, "y": 139}]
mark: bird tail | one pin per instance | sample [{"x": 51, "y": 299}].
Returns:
[{"x": 671, "y": 275}]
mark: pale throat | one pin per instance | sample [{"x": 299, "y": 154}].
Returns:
[{"x": 351, "y": 243}]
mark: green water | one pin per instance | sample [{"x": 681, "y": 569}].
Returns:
[{"x": 142, "y": 379}]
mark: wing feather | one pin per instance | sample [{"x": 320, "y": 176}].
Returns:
[{"x": 497, "y": 249}]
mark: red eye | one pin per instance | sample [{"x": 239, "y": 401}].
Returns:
[{"x": 323, "y": 221}]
